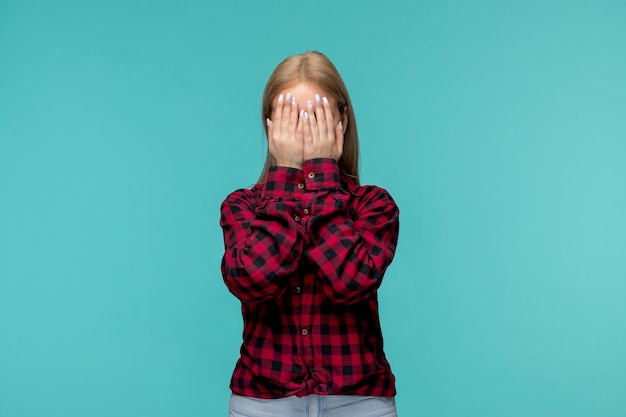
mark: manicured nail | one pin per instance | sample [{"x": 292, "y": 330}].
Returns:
[
  {"x": 301, "y": 113},
  {"x": 325, "y": 100},
  {"x": 317, "y": 98},
  {"x": 306, "y": 115},
  {"x": 310, "y": 104},
  {"x": 293, "y": 101},
  {"x": 280, "y": 98},
  {"x": 340, "y": 126},
  {"x": 288, "y": 96},
  {"x": 267, "y": 122}
]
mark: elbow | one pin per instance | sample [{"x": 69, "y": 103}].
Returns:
[
  {"x": 350, "y": 290},
  {"x": 349, "y": 297},
  {"x": 249, "y": 287}
]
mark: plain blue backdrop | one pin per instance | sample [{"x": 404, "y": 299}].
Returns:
[{"x": 498, "y": 127}]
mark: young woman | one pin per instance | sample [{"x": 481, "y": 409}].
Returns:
[{"x": 306, "y": 249}]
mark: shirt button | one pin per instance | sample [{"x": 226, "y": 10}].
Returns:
[
  {"x": 297, "y": 218},
  {"x": 297, "y": 290},
  {"x": 311, "y": 175},
  {"x": 300, "y": 185},
  {"x": 305, "y": 332},
  {"x": 306, "y": 211}
]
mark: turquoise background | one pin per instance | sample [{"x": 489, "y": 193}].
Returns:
[{"x": 498, "y": 127}]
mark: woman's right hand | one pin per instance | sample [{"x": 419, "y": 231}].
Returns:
[{"x": 284, "y": 133}]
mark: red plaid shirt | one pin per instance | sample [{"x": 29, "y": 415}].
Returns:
[{"x": 305, "y": 254}]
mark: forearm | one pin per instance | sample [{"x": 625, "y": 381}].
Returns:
[
  {"x": 352, "y": 236},
  {"x": 352, "y": 260},
  {"x": 262, "y": 239},
  {"x": 255, "y": 267}
]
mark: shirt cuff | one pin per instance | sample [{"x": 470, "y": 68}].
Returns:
[
  {"x": 316, "y": 174},
  {"x": 283, "y": 182},
  {"x": 321, "y": 173}
]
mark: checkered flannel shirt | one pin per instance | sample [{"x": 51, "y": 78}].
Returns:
[{"x": 305, "y": 253}]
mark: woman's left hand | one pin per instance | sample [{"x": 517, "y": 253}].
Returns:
[{"x": 323, "y": 135}]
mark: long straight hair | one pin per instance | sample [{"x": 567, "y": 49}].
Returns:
[{"x": 315, "y": 68}]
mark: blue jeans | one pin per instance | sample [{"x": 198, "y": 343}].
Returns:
[{"x": 313, "y": 406}]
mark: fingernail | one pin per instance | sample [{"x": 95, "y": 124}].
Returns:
[
  {"x": 267, "y": 122},
  {"x": 317, "y": 98},
  {"x": 280, "y": 98},
  {"x": 310, "y": 104},
  {"x": 325, "y": 100},
  {"x": 288, "y": 96},
  {"x": 340, "y": 126},
  {"x": 306, "y": 115},
  {"x": 301, "y": 113},
  {"x": 293, "y": 101}
]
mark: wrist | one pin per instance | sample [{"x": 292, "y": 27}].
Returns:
[
  {"x": 321, "y": 173},
  {"x": 281, "y": 182},
  {"x": 288, "y": 164},
  {"x": 298, "y": 167}
]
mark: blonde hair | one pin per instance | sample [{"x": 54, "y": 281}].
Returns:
[{"x": 314, "y": 67}]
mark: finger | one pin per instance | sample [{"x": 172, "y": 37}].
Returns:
[
  {"x": 293, "y": 115},
  {"x": 328, "y": 118},
  {"x": 308, "y": 134},
  {"x": 339, "y": 138},
  {"x": 300, "y": 128},
  {"x": 270, "y": 139},
  {"x": 286, "y": 111},
  {"x": 270, "y": 128},
  {"x": 320, "y": 119},
  {"x": 312, "y": 121},
  {"x": 278, "y": 109}
]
